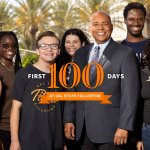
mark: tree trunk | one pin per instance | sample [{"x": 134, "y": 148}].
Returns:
[{"x": 33, "y": 32}]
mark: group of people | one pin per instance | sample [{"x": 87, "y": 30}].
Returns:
[{"x": 25, "y": 124}]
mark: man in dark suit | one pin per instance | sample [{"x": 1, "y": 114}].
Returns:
[{"x": 104, "y": 126}]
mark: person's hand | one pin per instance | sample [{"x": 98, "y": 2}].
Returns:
[
  {"x": 65, "y": 147},
  {"x": 139, "y": 145},
  {"x": 121, "y": 136},
  {"x": 15, "y": 145},
  {"x": 69, "y": 130},
  {"x": 1, "y": 145}
]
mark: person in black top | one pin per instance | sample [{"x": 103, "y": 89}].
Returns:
[
  {"x": 145, "y": 93},
  {"x": 37, "y": 126},
  {"x": 72, "y": 40},
  {"x": 134, "y": 18}
]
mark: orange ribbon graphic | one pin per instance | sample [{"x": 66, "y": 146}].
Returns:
[{"x": 53, "y": 97}]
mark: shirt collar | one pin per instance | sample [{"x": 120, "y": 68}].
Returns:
[{"x": 102, "y": 45}]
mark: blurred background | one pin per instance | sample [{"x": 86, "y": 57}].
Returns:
[{"x": 27, "y": 18}]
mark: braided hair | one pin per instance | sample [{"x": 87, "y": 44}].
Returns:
[{"x": 18, "y": 64}]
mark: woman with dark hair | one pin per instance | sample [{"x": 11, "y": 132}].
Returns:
[
  {"x": 145, "y": 93},
  {"x": 71, "y": 41},
  {"x": 9, "y": 50}
]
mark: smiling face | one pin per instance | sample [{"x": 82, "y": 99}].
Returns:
[
  {"x": 72, "y": 43},
  {"x": 50, "y": 51},
  {"x": 135, "y": 22},
  {"x": 7, "y": 47},
  {"x": 100, "y": 27}
]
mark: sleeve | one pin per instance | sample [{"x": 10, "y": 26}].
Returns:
[
  {"x": 130, "y": 92},
  {"x": 19, "y": 86},
  {"x": 69, "y": 112}
]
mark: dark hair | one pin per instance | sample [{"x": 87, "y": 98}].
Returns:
[
  {"x": 64, "y": 57},
  {"x": 146, "y": 55},
  {"x": 134, "y": 5},
  {"x": 44, "y": 34},
  {"x": 18, "y": 64}
]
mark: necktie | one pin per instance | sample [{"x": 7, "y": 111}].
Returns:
[
  {"x": 95, "y": 58},
  {"x": 68, "y": 72}
]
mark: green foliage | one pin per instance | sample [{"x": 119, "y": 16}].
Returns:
[
  {"x": 30, "y": 58},
  {"x": 31, "y": 17},
  {"x": 64, "y": 15},
  {"x": 5, "y": 15}
]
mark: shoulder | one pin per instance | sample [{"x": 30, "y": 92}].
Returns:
[
  {"x": 146, "y": 40},
  {"x": 145, "y": 70},
  {"x": 123, "y": 42},
  {"x": 145, "y": 73},
  {"x": 124, "y": 49},
  {"x": 24, "y": 71},
  {"x": 84, "y": 49}
]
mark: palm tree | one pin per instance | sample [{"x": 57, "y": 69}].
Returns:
[
  {"x": 63, "y": 16},
  {"x": 88, "y": 7},
  {"x": 31, "y": 16},
  {"x": 5, "y": 15},
  {"x": 29, "y": 58},
  {"x": 85, "y": 9}
]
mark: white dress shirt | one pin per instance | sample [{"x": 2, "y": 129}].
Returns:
[{"x": 102, "y": 48}]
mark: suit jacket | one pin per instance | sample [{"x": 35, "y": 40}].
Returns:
[{"x": 102, "y": 120}]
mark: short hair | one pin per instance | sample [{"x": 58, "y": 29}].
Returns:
[
  {"x": 18, "y": 64},
  {"x": 44, "y": 34},
  {"x": 134, "y": 5}
]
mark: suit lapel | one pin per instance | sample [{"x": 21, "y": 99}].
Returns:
[
  {"x": 102, "y": 61},
  {"x": 105, "y": 57},
  {"x": 109, "y": 49},
  {"x": 84, "y": 58}
]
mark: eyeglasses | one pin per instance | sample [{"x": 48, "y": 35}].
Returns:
[
  {"x": 7, "y": 46},
  {"x": 49, "y": 46}
]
